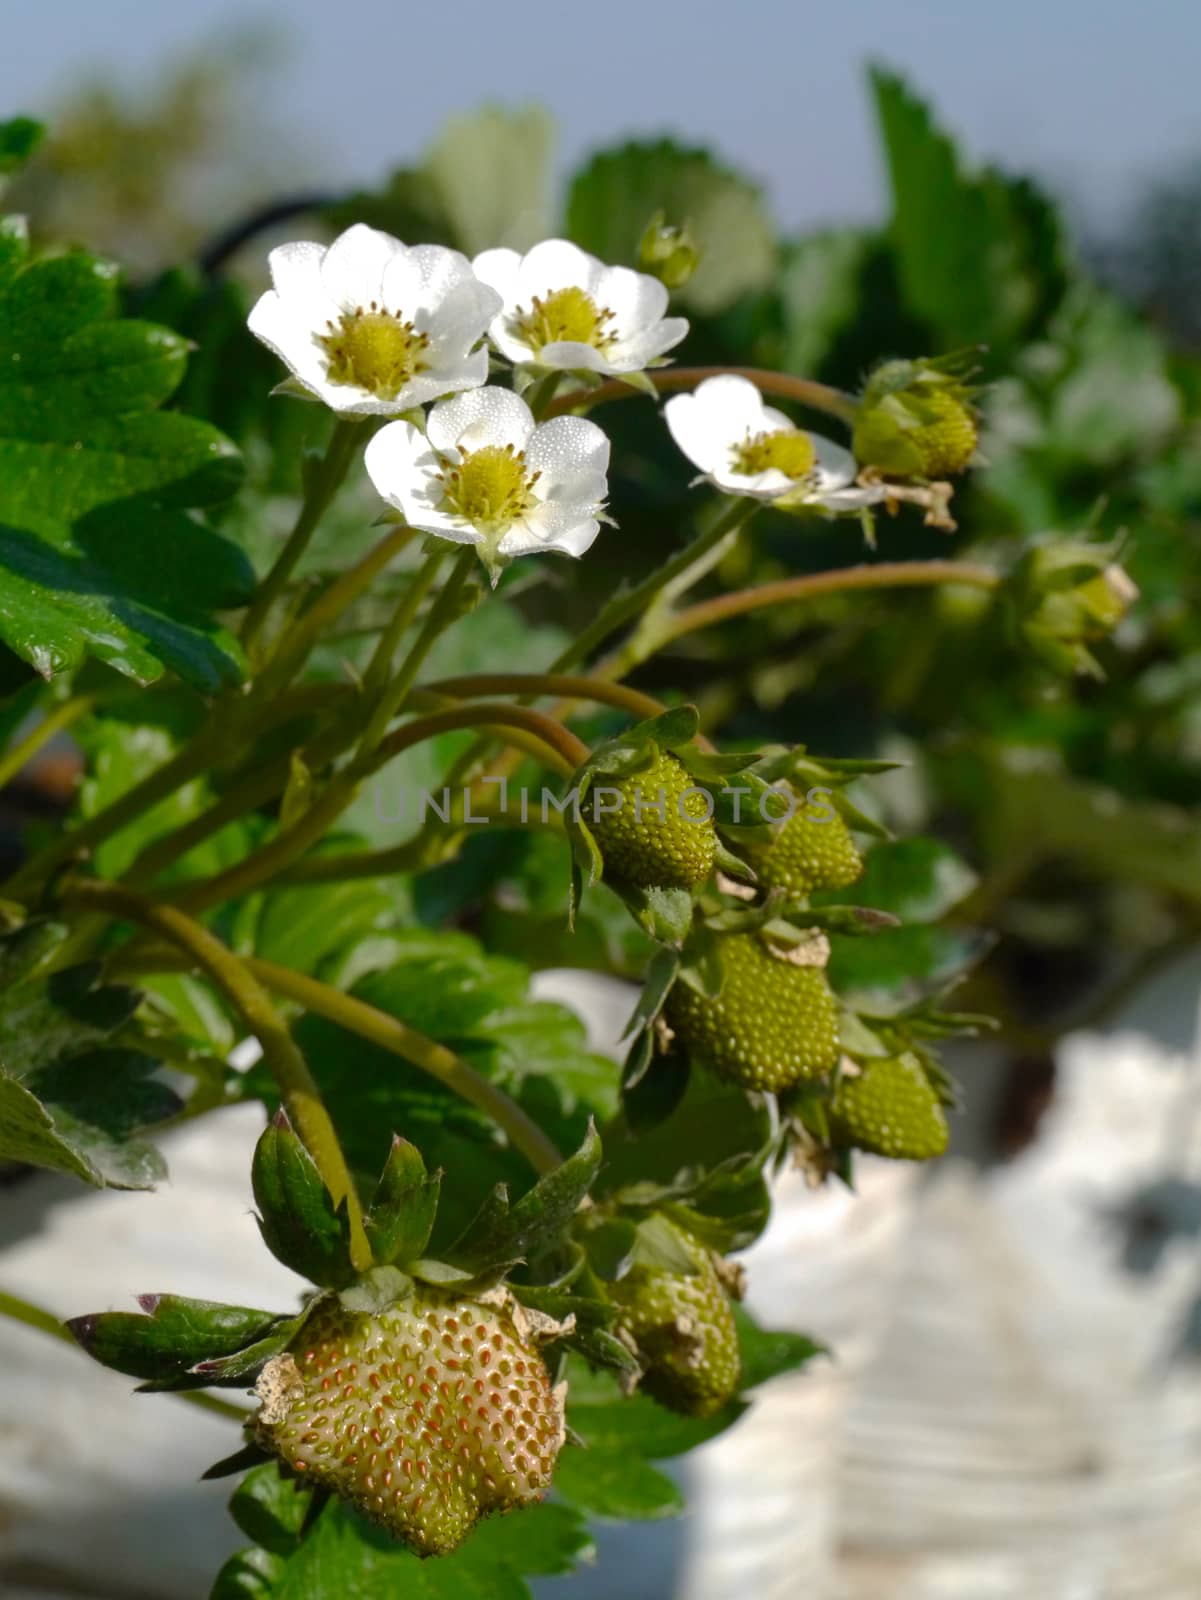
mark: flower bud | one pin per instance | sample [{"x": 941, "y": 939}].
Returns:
[
  {"x": 667, "y": 252},
  {"x": 1075, "y": 596}
]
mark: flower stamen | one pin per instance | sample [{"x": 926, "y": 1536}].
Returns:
[
  {"x": 373, "y": 350},
  {"x": 787, "y": 450},
  {"x": 491, "y": 488},
  {"x": 566, "y": 316}
]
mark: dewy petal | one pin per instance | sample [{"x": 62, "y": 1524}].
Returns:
[
  {"x": 494, "y": 415},
  {"x": 400, "y": 463},
  {"x": 354, "y": 266},
  {"x": 637, "y": 352},
  {"x": 568, "y": 355},
  {"x": 552, "y": 526},
  {"x": 635, "y": 299},
  {"x": 290, "y": 336},
  {"x": 572, "y": 455},
  {"x": 499, "y": 269},
  {"x": 556, "y": 264},
  {"x": 296, "y": 269}
]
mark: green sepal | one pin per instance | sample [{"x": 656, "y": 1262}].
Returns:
[
  {"x": 239, "y": 1369},
  {"x": 240, "y": 1461},
  {"x": 799, "y": 917},
  {"x": 299, "y": 1222},
  {"x": 649, "y": 1096},
  {"x": 171, "y": 1336},
  {"x": 590, "y": 1337},
  {"x": 378, "y": 1288},
  {"x": 401, "y": 1217},
  {"x": 502, "y": 1234}
]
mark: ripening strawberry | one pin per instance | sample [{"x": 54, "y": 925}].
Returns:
[
  {"x": 773, "y": 1023},
  {"x": 808, "y": 853},
  {"x": 890, "y": 1108},
  {"x": 661, "y": 835},
  {"x": 683, "y": 1327},
  {"x": 427, "y": 1416}
]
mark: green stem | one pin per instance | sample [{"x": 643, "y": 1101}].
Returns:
[
  {"x": 441, "y": 614},
  {"x": 300, "y": 639},
  {"x": 672, "y": 577},
  {"x": 31, "y": 1316},
  {"x": 425, "y": 1054},
  {"x": 540, "y": 396},
  {"x": 322, "y": 485},
  {"x": 560, "y": 749},
  {"x": 53, "y": 722},
  {"x": 297, "y": 1087},
  {"x": 379, "y": 668},
  {"x": 804, "y": 391}
]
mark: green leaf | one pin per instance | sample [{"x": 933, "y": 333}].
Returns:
[
  {"x": 635, "y": 1425},
  {"x": 66, "y": 1102},
  {"x": 19, "y": 138},
  {"x": 492, "y": 171},
  {"x": 171, "y": 1337},
  {"x": 402, "y": 1213},
  {"x": 350, "y": 1559},
  {"x": 299, "y": 1222},
  {"x": 820, "y": 289},
  {"x": 270, "y": 1509},
  {"x": 916, "y": 879},
  {"x": 615, "y": 1484},
  {"x": 980, "y": 256},
  {"x": 614, "y": 197},
  {"x": 713, "y": 1123},
  {"x": 893, "y": 970},
  {"x": 98, "y": 554},
  {"x": 766, "y": 1355}
]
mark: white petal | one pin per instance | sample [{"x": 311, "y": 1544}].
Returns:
[
  {"x": 556, "y": 264},
  {"x": 290, "y": 335},
  {"x": 739, "y": 404},
  {"x": 494, "y": 415},
  {"x": 572, "y": 454},
  {"x": 296, "y": 269},
  {"x": 835, "y": 466},
  {"x": 701, "y": 431},
  {"x": 768, "y": 485},
  {"x": 499, "y": 270},
  {"x": 567, "y": 529},
  {"x": 635, "y": 299},
  {"x": 568, "y": 355},
  {"x": 354, "y": 266},
  {"x": 460, "y": 321},
  {"x": 509, "y": 341},
  {"x": 445, "y": 378},
  {"x": 400, "y": 464},
  {"x": 638, "y": 351}
]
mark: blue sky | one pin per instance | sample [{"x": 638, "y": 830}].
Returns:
[{"x": 1091, "y": 96}]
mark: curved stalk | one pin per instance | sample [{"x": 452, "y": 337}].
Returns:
[
  {"x": 563, "y": 685},
  {"x": 297, "y": 1087},
  {"x": 804, "y": 391},
  {"x": 880, "y": 575},
  {"x": 426, "y": 1054}
]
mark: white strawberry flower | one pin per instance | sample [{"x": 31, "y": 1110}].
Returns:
[
  {"x": 745, "y": 447},
  {"x": 485, "y": 474},
  {"x": 565, "y": 310},
  {"x": 373, "y": 327}
]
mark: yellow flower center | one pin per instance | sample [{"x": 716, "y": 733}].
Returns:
[
  {"x": 373, "y": 350},
  {"x": 491, "y": 487},
  {"x": 788, "y": 450},
  {"x": 567, "y": 314}
]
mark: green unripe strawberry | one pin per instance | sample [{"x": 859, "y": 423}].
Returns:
[
  {"x": 675, "y": 849},
  {"x": 891, "y": 1109},
  {"x": 427, "y": 1416},
  {"x": 914, "y": 423},
  {"x": 772, "y": 1024},
  {"x": 682, "y": 1326},
  {"x": 808, "y": 853}
]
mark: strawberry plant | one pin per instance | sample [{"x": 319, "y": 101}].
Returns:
[{"x": 422, "y": 617}]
